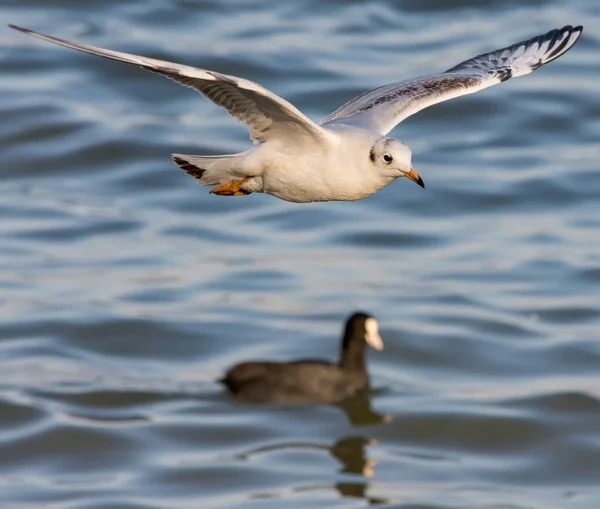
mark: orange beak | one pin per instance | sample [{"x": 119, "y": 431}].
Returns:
[{"x": 414, "y": 176}]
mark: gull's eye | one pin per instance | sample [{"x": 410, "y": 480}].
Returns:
[{"x": 387, "y": 158}]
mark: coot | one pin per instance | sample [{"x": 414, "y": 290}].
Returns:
[{"x": 310, "y": 381}]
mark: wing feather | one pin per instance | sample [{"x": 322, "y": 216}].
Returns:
[
  {"x": 381, "y": 109},
  {"x": 266, "y": 114}
]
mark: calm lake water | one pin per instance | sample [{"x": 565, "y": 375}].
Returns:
[{"x": 126, "y": 289}]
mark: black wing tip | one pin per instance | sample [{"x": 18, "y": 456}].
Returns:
[
  {"x": 556, "y": 31},
  {"x": 20, "y": 29},
  {"x": 24, "y": 30},
  {"x": 39, "y": 35},
  {"x": 571, "y": 30},
  {"x": 578, "y": 30},
  {"x": 572, "y": 36}
]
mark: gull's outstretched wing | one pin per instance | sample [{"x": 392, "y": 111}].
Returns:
[
  {"x": 266, "y": 114},
  {"x": 381, "y": 109}
]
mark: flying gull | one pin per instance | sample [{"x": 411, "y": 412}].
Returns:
[{"x": 346, "y": 156}]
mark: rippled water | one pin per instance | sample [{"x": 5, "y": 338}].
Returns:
[{"x": 126, "y": 290}]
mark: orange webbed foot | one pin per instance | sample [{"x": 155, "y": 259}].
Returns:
[{"x": 233, "y": 188}]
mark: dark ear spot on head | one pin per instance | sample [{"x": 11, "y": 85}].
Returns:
[{"x": 372, "y": 154}]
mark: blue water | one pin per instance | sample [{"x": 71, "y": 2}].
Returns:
[{"x": 126, "y": 289}]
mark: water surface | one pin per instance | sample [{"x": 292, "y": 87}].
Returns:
[{"x": 126, "y": 290}]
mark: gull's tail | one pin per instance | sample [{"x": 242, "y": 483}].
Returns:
[{"x": 209, "y": 170}]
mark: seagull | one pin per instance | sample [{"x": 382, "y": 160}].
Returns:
[{"x": 348, "y": 155}]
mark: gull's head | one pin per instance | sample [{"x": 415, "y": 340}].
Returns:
[{"x": 392, "y": 158}]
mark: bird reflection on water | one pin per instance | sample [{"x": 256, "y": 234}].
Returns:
[{"x": 357, "y": 468}]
